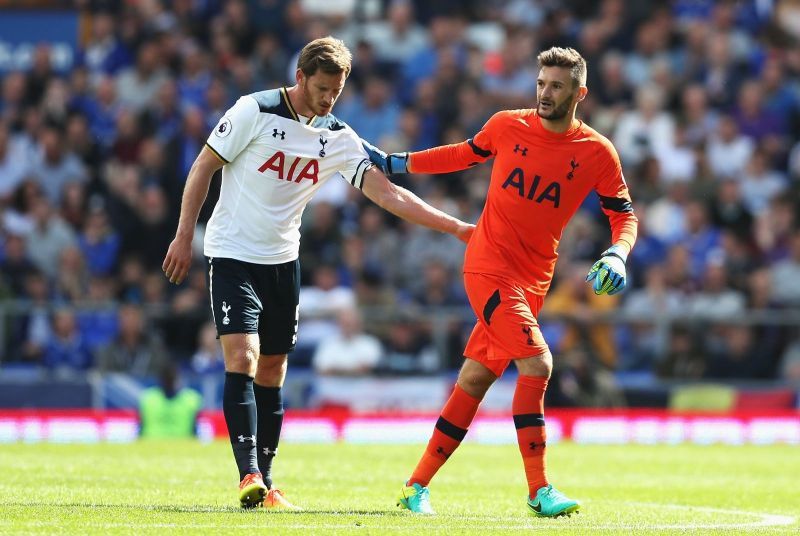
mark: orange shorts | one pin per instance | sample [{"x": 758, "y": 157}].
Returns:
[{"x": 507, "y": 328}]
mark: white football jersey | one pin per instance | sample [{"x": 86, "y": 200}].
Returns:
[{"x": 275, "y": 162}]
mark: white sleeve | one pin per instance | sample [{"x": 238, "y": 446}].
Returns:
[
  {"x": 235, "y": 130},
  {"x": 356, "y": 160}
]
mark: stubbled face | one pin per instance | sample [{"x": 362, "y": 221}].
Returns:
[
  {"x": 555, "y": 93},
  {"x": 320, "y": 90}
]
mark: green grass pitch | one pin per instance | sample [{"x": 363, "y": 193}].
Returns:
[{"x": 190, "y": 488}]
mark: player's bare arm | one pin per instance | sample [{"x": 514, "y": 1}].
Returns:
[
  {"x": 179, "y": 255},
  {"x": 408, "y": 206}
]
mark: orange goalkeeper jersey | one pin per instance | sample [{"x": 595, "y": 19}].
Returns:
[{"x": 539, "y": 179}]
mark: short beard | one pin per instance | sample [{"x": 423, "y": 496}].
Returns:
[{"x": 557, "y": 113}]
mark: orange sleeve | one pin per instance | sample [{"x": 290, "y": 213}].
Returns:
[
  {"x": 457, "y": 156},
  {"x": 615, "y": 200}
]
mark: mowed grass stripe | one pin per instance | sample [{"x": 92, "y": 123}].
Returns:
[{"x": 186, "y": 486}]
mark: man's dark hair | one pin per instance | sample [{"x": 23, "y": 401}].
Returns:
[{"x": 568, "y": 58}]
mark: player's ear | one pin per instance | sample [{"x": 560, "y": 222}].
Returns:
[
  {"x": 300, "y": 77},
  {"x": 582, "y": 92}
]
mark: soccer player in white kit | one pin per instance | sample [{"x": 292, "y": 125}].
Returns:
[{"x": 276, "y": 148}]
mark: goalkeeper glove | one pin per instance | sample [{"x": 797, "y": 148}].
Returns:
[
  {"x": 608, "y": 273},
  {"x": 388, "y": 163}
]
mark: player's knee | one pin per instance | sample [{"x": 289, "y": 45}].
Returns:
[
  {"x": 240, "y": 356},
  {"x": 538, "y": 365},
  {"x": 476, "y": 382},
  {"x": 271, "y": 370}
]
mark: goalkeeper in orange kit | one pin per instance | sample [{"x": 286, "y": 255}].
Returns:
[{"x": 545, "y": 164}]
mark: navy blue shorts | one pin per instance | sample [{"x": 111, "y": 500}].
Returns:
[{"x": 256, "y": 298}]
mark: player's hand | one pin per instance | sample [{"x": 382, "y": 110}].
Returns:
[
  {"x": 388, "y": 163},
  {"x": 464, "y": 232},
  {"x": 608, "y": 274},
  {"x": 178, "y": 260}
]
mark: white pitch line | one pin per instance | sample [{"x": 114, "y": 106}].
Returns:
[{"x": 766, "y": 521}]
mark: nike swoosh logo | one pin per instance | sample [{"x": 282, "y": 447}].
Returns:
[{"x": 537, "y": 508}]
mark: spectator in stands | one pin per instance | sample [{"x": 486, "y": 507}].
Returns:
[
  {"x": 12, "y": 98},
  {"x": 15, "y": 264},
  {"x": 728, "y": 150},
  {"x": 376, "y": 114},
  {"x": 786, "y": 275},
  {"x": 646, "y": 129},
  {"x": 322, "y": 238},
  {"x": 97, "y": 321},
  {"x": 754, "y": 120},
  {"x": 512, "y": 82},
  {"x": 98, "y": 241},
  {"x": 73, "y": 205},
  {"x": 54, "y": 166},
  {"x": 320, "y": 303},
  {"x": 136, "y": 350},
  {"x": 716, "y": 298},
  {"x": 30, "y": 328},
  {"x": 580, "y": 382},
  {"x": 39, "y": 76},
  {"x": 138, "y": 86},
  {"x": 701, "y": 238},
  {"x": 728, "y": 211},
  {"x": 65, "y": 351},
  {"x": 72, "y": 278},
  {"x": 105, "y": 54},
  {"x": 49, "y": 238},
  {"x": 407, "y": 350},
  {"x": 644, "y": 309},
  {"x": 350, "y": 351},
  {"x": 760, "y": 184},
  {"x": 577, "y": 306},
  {"x": 736, "y": 355},
  {"x": 208, "y": 358},
  {"x": 698, "y": 119},
  {"x": 13, "y": 166},
  {"x": 684, "y": 360},
  {"x": 399, "y": 37},
  {"x": 790, "y": 363}
]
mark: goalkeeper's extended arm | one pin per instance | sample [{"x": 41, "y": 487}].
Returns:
[{"x": 442, "y": 159}]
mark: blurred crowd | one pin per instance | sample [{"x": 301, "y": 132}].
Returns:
[{"x": 700, "y": 97}]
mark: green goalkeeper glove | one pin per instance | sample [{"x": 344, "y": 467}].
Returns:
[{"x": 608, "y": 274}]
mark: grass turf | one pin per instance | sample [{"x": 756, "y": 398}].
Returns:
[{"x": 190, "y": 488}]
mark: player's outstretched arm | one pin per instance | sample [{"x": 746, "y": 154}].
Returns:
[
  {"x": 179, "y": 255},
  {"x": 408, "y": 206},
  {"x": 442, "y": 159}
]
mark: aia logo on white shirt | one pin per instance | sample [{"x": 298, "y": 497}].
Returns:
[{"x": 278, "y": 163}]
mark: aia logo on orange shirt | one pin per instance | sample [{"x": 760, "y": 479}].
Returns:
[{"x": 574, "y": 165}]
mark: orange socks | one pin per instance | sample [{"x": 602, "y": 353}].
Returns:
[
  {"x": 450, "y": 430},
  {"x": 528, "y": 410}
]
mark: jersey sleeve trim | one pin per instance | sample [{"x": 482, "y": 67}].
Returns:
[
  {"x": 216, "y": 153},
  {"x": 357, "y": 179},
  {"x": 483, "y": 153},
  {"x": 617, "y": 204}
]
